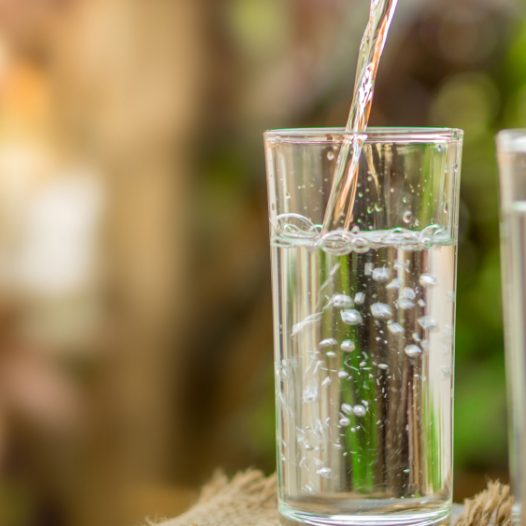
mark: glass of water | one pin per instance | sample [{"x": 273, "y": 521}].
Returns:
[
  {"x": 511, "y": 145},
  {"x": 364, "y": 325}
]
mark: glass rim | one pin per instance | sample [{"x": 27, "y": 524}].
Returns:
[
  {"x": 512, "y": 140},
  {"x": 385, "y": 134}
]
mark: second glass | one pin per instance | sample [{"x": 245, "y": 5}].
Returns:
[
  {"x": 364, "y": 326},
  {"x": 511, "y": 145}
]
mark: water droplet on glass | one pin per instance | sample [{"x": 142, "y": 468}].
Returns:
[
  {"x": 359, "y": 410},
  {"x": 351, "y": 317},
  {"x": 427, "y": 280},
  {"x": 381, "y": 311},
  {"x": 347, "y": 346},
  {"x": 381, "y": 274},
  {"x": 413, "y": 351}
]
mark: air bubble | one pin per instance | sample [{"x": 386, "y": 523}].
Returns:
[
  {"x": 347, "y": 346},
  {"x": 346, "y": 409},
  {"x": 394, "y": 284},
  {"x": 359, "y": 410},
  {"x": 330, "y": 354},
  {"x": 427, "y": 280},
  {"x": 341, "y": 301},
  {"x": 407, "y": 217},
  {"x": 343, "y": 374},
  {"x": 326, "y": 382},
  {"x": 381, "y": 274},
  {"x": 405, "y": 304},
  {"x": 381, "y": 311},
  {"x": 359, "y": 298},
  {"x": 427, "y": 323},
  {"x": 344, "y": 421},
  {"x": 383, "y": 366},
  {"x": 327, "y": 342},
  {"x": 360, "y": 245},
  {"x": 407, "y": 293},
  {"x": 413, "y": 351},
  {"x": 351, "y": 317},
  {"x": 324, "y": 472},
  {"x": 395, "y": 328},
  {"x": 337, "y": 243},
  {"x": 294, "y": 226},
  {"x": 330, "y": 155}
]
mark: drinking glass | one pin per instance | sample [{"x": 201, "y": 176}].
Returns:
[
  {"x": 364, "y": 325},
  {"x": 511, "y": 146}
]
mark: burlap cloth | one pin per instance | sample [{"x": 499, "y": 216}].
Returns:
[{"x": 249, "y": 499}]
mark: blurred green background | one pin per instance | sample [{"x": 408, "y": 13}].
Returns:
[{"x": 135, "y": 313}]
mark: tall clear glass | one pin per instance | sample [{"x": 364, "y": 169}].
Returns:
[
  {"x": 364, "y": 326},
  {"x": 511, "y": 145}
]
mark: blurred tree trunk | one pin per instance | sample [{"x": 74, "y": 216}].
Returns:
[{"x": 128, "y": 72}]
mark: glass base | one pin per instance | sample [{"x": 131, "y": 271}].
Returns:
[{"x": 414, "y": 517}]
